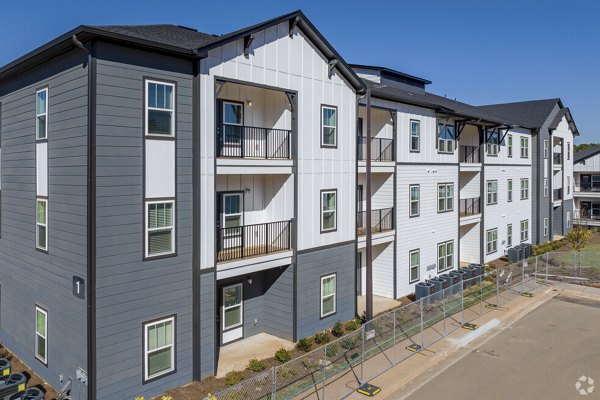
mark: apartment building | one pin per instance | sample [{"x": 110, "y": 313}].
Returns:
[
  {"x": 167, "y": 192},
  {"x": 586, "y": 189}
]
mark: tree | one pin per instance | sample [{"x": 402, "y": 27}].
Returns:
[
  {"x": 578, "y": 238},
  {"x": 583, "y": 146}
]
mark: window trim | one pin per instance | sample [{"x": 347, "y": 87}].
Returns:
[
  {"x": 487, "y": 192},
  {"x": 335, "y": 136},
  {"x": 44, "y": 311},
  {"x": 568, "y": 150},
  {"x": 568, "y": 185},
  {"x": 410, "y": 135},
  {"x": 410, "y": 266},
  {"x": 489, "y": 145},
  {"x": 447, "y": 142},
  {"x": 145, "y": 377},
  {"x": 44, "y": 114},
  {"x": 526, "y": 221},
  {"x": 526, "y": 188},
  {"x": 334, "y": 295},
  {"x": 546, "y": 148},
  {"x": 546, "y": 187},
  {"x": 509, "y": 145},
  {"x": 37, "y": 224},
  {"x": 494, "y": 242},
  {"x": 241, "y": 306},
  {"x": 322, "y": 192},
  {"x": 524, "y": 149},
  {"x": 173, "y": 252},
  {"x": 509, "y": 235},
  {"x": 568, "y": 219},
  {"x": 410, "y": 200},
  {"x": 173, "y": 84},
  {"x": 509, "y": 190},
  {"x": 446, "y": 197},
  {"x": 445, "y": 256},
  {"x": 545, "y": 226}
]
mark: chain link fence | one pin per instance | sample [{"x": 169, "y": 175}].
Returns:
[{"x": 336, "y": 369}]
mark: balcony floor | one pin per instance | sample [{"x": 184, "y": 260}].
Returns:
[{"x": 252, "y": 252}]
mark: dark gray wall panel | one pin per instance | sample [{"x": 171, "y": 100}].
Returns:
[
  {"x": 279, "y": 302},
  {"x": 558, "y": 221},
  {"x": 207, "y": 324}
]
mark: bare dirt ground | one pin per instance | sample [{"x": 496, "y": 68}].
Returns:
[{"x": 34, "y": 379}]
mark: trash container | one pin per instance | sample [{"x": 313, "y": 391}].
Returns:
[
  {"x": 438, "y": 285},
  {"x": 4, "y": 367},
  {"x": 11, "y": 384},
  {"x": 424, "y": 290},
  {"x": 32, "y": 393}
]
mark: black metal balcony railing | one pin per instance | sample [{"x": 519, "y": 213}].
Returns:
[
  {"x": 381, "y": 220},
  {"x": 470, "y": 154},
  {"x": 253, "y": 240},
  {"x": 470, "y": 206},
  {"x": 589, "y": 188},
  {"x": 558, "y": 194},
  {"x": 557, "y": 158},
  {"x": 252, "y": 142},
  {"x": 381, "y": 149}
]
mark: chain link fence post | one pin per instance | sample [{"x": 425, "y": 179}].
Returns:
[
  {"x": 444, "y": 310},
  {"x": 536, "y": 271},
  {"x": 462, "y": 303},
  {"x": 522, "y": 276},
  {"x": 362, "y": 353},
  {"x": 481, "y": 294},
  {"x": 324, "y": 366},
  {"x": 421, "y": 303},
  {"x": 497, "y": 286},
  {"x": 547, "y": 258},
  {"x": 274, "y": 383},
  {"x": 394, "y": 332}
]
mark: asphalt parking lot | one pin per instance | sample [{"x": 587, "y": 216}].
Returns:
[{"x": 541, "y": 356}]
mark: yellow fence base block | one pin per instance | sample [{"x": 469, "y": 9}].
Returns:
[
  {"x": 527, "y": 294},
  {"x": 492, "y": 306},
  {"x": 470, "y": 326},
  {"x": 414, "y": 348},
  {"x": 6, "y": 372},
  {"x": 368, "y": 390}
]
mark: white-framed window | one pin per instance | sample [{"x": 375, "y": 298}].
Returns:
[
  {"x": 233, "y": 213},
  {"x": 492, "y": 192},
  {"x": 445, "y": 138},
  {"x": 524, "y": 147},
  {"x": 159, "y": 348},
  {"x": 445, "y": 255},
  {"x": 492, "y": 241},
  {"x": 328, "y": 295},
  {"x": 415, "y": 135},
  {"x": 232, "y": 115},
  {"x": 328, "y": 210},
  {"x": 41, "y": 114},
  {"x": 545, "y": 226},
  {"x": 568, "y": 219},
  {"x": 492, "y": 143},
  {"x": 160, "y": 228},
  {"x": 41, "y": 334},
  {"x": 524, "y": 188},
  {"x": 509, "y": 145},
  {"x": 415, "y": 199},
  {"x": 41, "y": 224},
  {"x": 414, "y": 259},
  {"x": 445, "y": 197},
  {"x": 524, "y": 230},
  {"x": 545, "y": 148},
  {"x": 509, "y": 190},
  {"x": 233, "y": 306},
  {"x": 568, "y": 150},
  {"x": 568, "y": 185},
  {"x": 160, "y": 108},
  {"x": 546, "y": 188},
  {"x": 509, "y": 235},
  {"x": 328, "y": 126}
]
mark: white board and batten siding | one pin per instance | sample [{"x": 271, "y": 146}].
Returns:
[
  {"x": 293, "y": 64},
  {"x": 563, "y": 131}
]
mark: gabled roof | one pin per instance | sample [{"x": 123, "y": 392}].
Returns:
[
  {"x": 532, "y": 114},
  {"x": 392, "y": 72},
  {"x": 177, "y": 40},
  {"x": 587, "y": 153}
]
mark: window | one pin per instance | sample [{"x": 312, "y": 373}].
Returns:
[
  {"x": 568, "y": 150},
  {"x": 524, "y": 147},
  {"x": 545, "y": 227},
  {"x": 524, "y": 189},
  {"x": 159, "y": 348},
  {"x": 232, "y": 306},
  {"x": 445, "y": 197},
  {"x": 492, "y": 143},
  {"x": 568, "y": 185},
  {"x": 415, "y": 196},
  {"x": 545, "y": 148},
  {"x": 445, "y": 255},
  {"x": 328, "y": 295},
  {"x": 445, "y": 135},
  {"x": 492, "y": 192},
  {"x": 568, "y": 219},
  {"x": 233, "y": 213},
  {"x": 233, "y": 123},
  {"x": 160, "y": 108},
  {"x": 328, "y": 210},
  {"x": 509, "y": 235},
  {"x": 524, "y": 230},
  {"x": 41, "y": 334},
  {"x": 492, "y": 241},
  {"x": 328, "y": 126},
  {"x": 41, "y": 224},
  {"x": 415, "y": 135},
  {"x": 509, "y": 190},
  {"x": 415, "y": 262},
  {"x": 160, "y": 228},
  {"x": 41, "y": 114},
  {"x": 510, "y": 145},
  {"x": 546, "y": 188}
]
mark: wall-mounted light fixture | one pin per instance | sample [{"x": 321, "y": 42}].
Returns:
[
  {"x": 249, "y": 279},
  {"x": 249, "y": 103}
]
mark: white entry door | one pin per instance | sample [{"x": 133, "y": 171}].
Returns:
[{"x": 233, "y": 313}]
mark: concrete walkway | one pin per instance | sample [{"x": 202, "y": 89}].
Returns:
[{"x": 380, "y": 304}]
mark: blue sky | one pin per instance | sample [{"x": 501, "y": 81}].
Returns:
[{"x": 480, "y": 52}]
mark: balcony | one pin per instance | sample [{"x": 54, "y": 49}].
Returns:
[
  {"x": 239, "y": 141},
  {"x": 588, "y": 189},
  {"x": 470, "y": 206},
  {"x": 236, "y": 243},
  {"x": 382, "y": 220},
  {"x": 557, "y": 159},
  {"x": 382, "y": 150},
  {"x": 558, "y": 194},
  {"x": 470, "y": 154}
]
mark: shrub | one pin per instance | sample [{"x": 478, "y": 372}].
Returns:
[
  {"x": 304, "y": 344},
  {"x": 233, "y": 378},
  {"x": 363, "y": 317},
  {"x": 322, "y": 337},
  {"x": 332, "y": 350},
  {"x": 347, "y": 343},
  {"x": 256, "y": 365},
  {"x": 166, "y": 398},
  {"x": 285, "y": 373},
  {"x": 353, "y": 325},
  {"x": 337, "y": 329},
  {"x": 282, "y": 355}
]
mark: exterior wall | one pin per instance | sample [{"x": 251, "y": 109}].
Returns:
[
  {"x": 29, "y": 277},
  {"x": 131, "y": 291},
  {"x": 470, "y": 243},
  {"x": 589, "y": 165},
  {"x": 312, "y": 265},
  {"x": 208, "y": 328},
  {"x": 559, "y": 225}
]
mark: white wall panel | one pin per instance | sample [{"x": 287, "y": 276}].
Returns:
[
  {"x": 160, "y": 168},
  {"x": 41, "y": 168}
]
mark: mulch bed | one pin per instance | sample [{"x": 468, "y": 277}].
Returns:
[{"x": 17, "y": 365}]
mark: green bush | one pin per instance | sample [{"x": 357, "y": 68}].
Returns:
[
  {"x": 282, "y": 355},
  {"x": 347, "y": 343},
  {"x": 322, "y": 337},
  {"x": 337, "y": 329},
  {"x": 285, "y": 373},
  {"x": 353, "y": 325},
  {"x": 233, "y": 378},
  {"x": 332, "y": 350},
  {"x": 256, "y": 365},
  {"x": 304, "y": 344}
]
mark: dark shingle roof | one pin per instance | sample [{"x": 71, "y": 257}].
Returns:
[
  {"x": 583, "y": 154},
  {"x": 391, "y": 72},
  {"x": 532, "y": 114}
]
